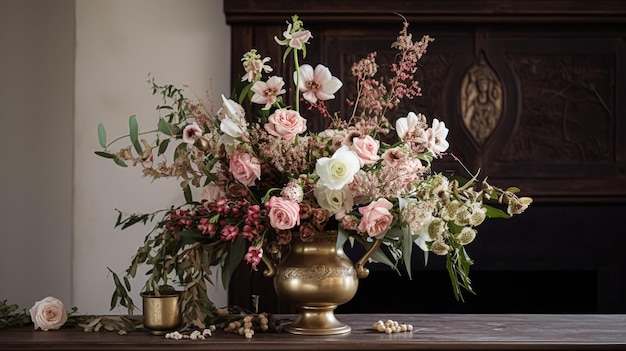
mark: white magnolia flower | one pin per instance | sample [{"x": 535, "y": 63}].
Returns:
[
  {"x": 318, "y": 84},
  {"x": 232, "y": 116},
  {"x": 407, "y": 124},
  {"x": 294, "y": 38},
  {"x": 266, "y": 93},
  {"x": 436, "y": 137},
  {"x": 337, "y": 171},
  {"x": 422, "y": 239},
  {"x": 335, "y": 201}
]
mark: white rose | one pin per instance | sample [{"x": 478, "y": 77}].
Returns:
[
  {"x": 337, "y": 171},
  {"x": 335, "y": 201},
  {"x": 48, "y": 314}
]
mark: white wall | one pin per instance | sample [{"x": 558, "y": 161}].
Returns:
[
  {"x": 36, "y": 142},
  {"x": 118, "y": 43},
  {"x": 59, "y": 199}
]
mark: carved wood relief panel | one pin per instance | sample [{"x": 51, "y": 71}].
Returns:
[{"x": 481, "y": 100}]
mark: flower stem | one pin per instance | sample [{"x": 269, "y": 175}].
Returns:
[
  {"x": 295, "y": 61},
  {"x": 128, "y": 135}
]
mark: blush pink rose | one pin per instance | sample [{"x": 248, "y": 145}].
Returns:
[
  {"x": 366, "y": 149},
  {"x": 376, "y": 218},
  {"x": 245, "y": 168},
  {"x": 48, "y": 314},
  {"x": 286, "y": 124},
  {"x": 284, "y": 214}
]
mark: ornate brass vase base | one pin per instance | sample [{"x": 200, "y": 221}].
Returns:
[{"x": 317, "y": 321}]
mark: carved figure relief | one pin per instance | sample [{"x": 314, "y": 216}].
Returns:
[{"x": 481, "y": 100}]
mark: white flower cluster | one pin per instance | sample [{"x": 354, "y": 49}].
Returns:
[
  {"x": 391, "y": 326},
  {"x": 194, "y": 335}
]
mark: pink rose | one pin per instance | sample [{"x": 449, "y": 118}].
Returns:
[
  {"x": 286, "y": 124},
  {"x": 48, "y": 314},
  {"x": 284, "y": 214},
  {"x": 366, "y": 149},
  {"x": 245, "y": 168},
  {"x": 376, "y": 218}
]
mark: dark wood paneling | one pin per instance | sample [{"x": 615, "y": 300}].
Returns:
[{"x": 560, "y": 135}]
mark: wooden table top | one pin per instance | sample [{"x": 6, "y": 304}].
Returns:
[{"x": 431, "y": 332}]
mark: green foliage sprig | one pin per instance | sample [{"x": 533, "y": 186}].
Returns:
[{"x": 12, "y": 316}]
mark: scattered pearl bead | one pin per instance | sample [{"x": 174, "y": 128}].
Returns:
[{"x": 390, "y": 326}]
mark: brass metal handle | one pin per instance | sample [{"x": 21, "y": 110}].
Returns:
[
  {"x": 270, "y": 271},
  {"x": 361, "y": 271}
]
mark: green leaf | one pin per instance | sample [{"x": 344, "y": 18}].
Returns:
[
  {"x": 102, "y": 136},
  {"x": 165, "y": 127},
  {"x": 114, "y": 299},
  {"x": 188, "y": 195},
  {"x": 235, "y": 255},
  {"x": 180, "y": 146},
  {"x": 163, "y": 146},
  {"x": 192, "y": 236},
  {"x": 455, "y": 283},
  {"x": 407, "y": 248},
  {"x": 244, "y": 92},
  {"x": 104, "y": 154},
  {"x": 286, "y": 54},
  {"x": 134, "y": 133},
  {"x": 342, "y": 237},
  {"x": 119, "y": 162},
  {"x": 379, "y": 256},
  {"x": 493, "y": 212}
]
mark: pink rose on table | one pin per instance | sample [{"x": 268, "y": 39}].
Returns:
[
  {"x": 376, "y": 218},
  {"x": 48, "y": 314},
  {"x": 245, "y": 168},
  {"x": 366, "y": 149},
  {"x": 286, "y": 124},
  {"x": 284, "y": 214}
]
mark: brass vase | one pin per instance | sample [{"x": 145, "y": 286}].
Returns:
[
  {"x": 162, "y": 311},
  {"x": 317, "y": 277}
]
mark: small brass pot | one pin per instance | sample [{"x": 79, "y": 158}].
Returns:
[{"x": 161, "y": 312}]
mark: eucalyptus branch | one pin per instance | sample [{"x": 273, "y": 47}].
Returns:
[{"x": 128, "y": 136}]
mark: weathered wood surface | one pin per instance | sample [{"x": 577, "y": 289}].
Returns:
[{"x": 431, "y": 332}]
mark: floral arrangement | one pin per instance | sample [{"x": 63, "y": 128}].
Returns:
[{"x": 264, "y": 177}]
